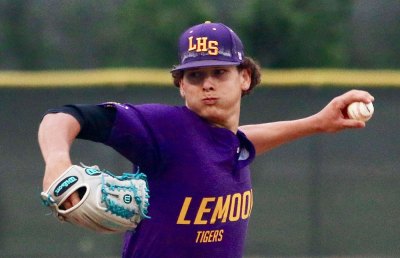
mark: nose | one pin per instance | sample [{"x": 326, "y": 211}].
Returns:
[{"x": 208, "y": 83}]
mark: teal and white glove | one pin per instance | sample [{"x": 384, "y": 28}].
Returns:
[{"x": 109, "y": 203}]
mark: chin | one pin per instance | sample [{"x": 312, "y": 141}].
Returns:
[
  {"x": 210, "y": 113},
  {"x": 212, "y": 116}
]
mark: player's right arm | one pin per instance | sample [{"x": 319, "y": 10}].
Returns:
[{"x": 57, "y": 131}]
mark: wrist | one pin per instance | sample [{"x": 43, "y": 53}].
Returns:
[{"x": 56, "y": 164}]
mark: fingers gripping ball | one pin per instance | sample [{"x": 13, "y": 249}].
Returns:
[
  {"x": 108, "y": 203},
  {"x": 360, "y": 111}
]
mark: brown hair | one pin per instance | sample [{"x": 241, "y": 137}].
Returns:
[{"x": 248, "y": 63}]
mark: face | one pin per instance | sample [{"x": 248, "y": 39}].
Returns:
[{"x": 214, "y": 93}]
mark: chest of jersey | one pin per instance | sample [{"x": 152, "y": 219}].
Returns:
[{"x": 199, "y": 179}]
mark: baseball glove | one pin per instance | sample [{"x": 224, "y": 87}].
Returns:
[{"x": 109, "y": 203}]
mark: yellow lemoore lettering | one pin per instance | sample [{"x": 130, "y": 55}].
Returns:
[
  {"x": 182, "y": 214},
  {"x": 234, "y": 213},
  {"x": 222, "y": 208},
  {"x": 247, "y": 204},
  {"x": 203, "y": 209}
]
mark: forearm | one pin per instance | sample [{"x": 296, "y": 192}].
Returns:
[
  {"x": 270, "y": 135},
  {"x": 329, "y": 120},
  {"x": 56, "y": 135}
]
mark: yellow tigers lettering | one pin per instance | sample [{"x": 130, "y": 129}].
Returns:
[{"x": 209, "y": 236}]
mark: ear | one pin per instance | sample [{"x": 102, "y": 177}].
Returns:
[
  {"x": 245, "y": 79},
  {"x": 181, "y": 90}
]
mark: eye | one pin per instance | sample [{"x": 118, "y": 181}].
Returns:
[
  {"x": 194, "y": 74},
  {"x": 219, "y": 71}
]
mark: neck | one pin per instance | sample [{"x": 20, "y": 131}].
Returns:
[
  {"x": 230, "y": 122},
  {"x": 232, "y": 127}
]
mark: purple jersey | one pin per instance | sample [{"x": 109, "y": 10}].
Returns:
[{"x": 199, "y": 179}]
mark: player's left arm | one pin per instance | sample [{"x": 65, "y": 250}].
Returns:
[{"x": 330, "y": 119}]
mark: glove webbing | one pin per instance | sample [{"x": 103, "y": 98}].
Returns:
[{"x": 118, "y": 210}]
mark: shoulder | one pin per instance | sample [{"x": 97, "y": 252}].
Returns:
[
  {"x": 152, "y": 113},
  {"x": 145, "y": 108},
  {"x": 162, "y": 112}
]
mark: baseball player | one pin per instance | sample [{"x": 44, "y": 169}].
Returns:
[{"x": 196, "y": 157}]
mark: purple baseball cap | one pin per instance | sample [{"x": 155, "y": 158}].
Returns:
[{"x": 209, "y": 44}]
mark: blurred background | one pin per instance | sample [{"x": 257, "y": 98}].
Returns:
[
  {"x": 42, "y": 34},
  {"x": 331, "y": 195}
]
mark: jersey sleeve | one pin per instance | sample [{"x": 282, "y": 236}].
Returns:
[
  {"x": 133, "y": 135},
  {"x": 96, "y": 121}
]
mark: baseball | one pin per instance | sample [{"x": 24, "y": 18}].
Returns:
[{"x": 360, "y": 111}]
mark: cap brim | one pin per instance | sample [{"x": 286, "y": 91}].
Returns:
[{"x": 203, "y": 63}]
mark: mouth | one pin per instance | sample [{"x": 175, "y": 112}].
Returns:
[{"x": 209, "y": 100}]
